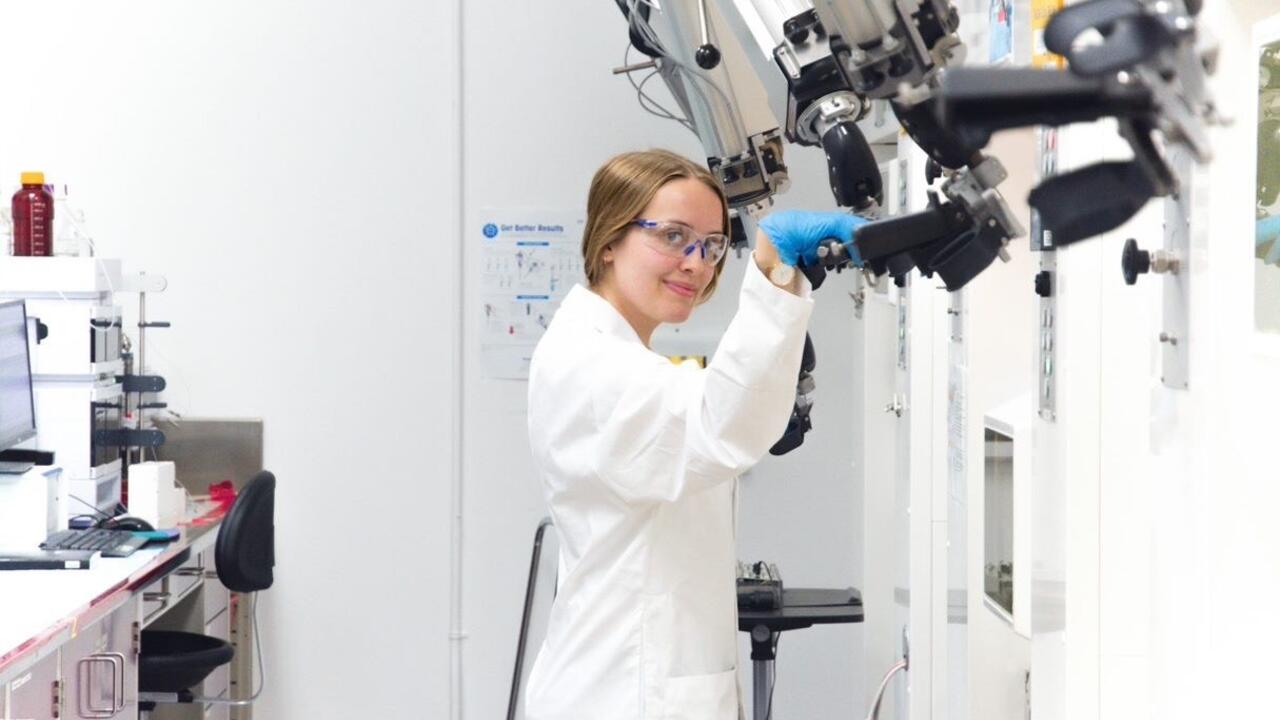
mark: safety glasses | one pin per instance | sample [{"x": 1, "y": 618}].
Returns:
[{"x": 679, "y": 240}]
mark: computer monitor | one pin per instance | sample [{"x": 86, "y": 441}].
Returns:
[{"x": 17, "y": 406}]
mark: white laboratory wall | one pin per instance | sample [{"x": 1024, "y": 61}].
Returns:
[
  {"x": 289, "y": 168},
  {"x": 543, "y": 112}
]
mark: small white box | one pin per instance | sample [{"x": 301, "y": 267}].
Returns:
[
  {"x": 31, "y": 507},
  {"x": 100, "y": 491},
  {"x": 72, "y": 277},
  {"x": 154, "y": 494}
]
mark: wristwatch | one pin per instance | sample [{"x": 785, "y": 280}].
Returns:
[{"x": 782, "y": 275}]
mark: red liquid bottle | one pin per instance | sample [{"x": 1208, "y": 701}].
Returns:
[{"x": 32, "y": 217}]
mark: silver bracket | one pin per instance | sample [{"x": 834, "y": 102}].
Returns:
[
  {"x": 1047, "y": 402},
  {"x": 956, "y": 314},
  {"x": 1042, "y": 244},
  {"x": 859, "y": 295},
  {"x": 902, "y": 330},
  {"x": 895, "y": 406},
  {"x": 1175, "y": 324}
]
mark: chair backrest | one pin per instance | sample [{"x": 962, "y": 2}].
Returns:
[
  {"x": 540, "y": 593},
  {"x": 245, "y": 553}
]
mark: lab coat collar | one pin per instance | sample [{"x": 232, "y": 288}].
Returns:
[{"x": 599, "y": 313}]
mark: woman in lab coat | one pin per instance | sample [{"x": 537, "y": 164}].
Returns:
[{"x": 639, "y": 457}]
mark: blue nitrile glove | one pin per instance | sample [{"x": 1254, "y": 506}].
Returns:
[
  {"x": 1268, "y": 230},
  {"x": 797, "y": 233}
]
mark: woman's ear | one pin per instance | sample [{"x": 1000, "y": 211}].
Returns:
[{"x": 606, "y": 256}]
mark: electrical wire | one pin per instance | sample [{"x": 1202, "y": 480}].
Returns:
[
  {"x": 96, "y": 511},
  {"x": 646, "y": 31},
  {"x": 874, "y": 712},
  {"x": 257, "y": 647},
  {"x": 654, "y": 107}
]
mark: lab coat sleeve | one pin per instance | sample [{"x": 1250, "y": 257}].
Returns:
[{"x": 670, "y": 430}]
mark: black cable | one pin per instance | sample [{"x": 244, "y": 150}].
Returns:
[{"x": 94, "y": 508}]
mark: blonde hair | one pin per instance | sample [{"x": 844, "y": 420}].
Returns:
[{"x": 620, "y": 191}]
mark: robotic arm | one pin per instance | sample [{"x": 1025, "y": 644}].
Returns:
[
  {"x": 838, "y": 56},
  {"x": 1141, "y": 62}
]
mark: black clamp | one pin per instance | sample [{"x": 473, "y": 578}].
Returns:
[
  {"x": 128, "y": 438},
  {"x": 141, "y": 383}
]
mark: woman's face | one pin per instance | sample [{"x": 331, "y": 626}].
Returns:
[{"x": 648, "y": 286}]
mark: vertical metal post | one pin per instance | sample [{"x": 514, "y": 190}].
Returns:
[
  {"x": 142, "y": 358},
  {"x": 761, "y": 682}
]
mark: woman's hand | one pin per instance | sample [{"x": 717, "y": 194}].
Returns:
[{"x": 797, "y": 233}]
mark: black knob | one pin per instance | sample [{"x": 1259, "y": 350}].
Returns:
[
  {"x": 869, "y": 81},
  {"x": 707, "y": 56},
  {"x": 900, "y": 65},
  {"x": 1044, "y": 283},
  {"x": 932, "y": 171},
  {"x": 1134, "y": 262},
  {"x": 797, "y": 28},
  {"x": 797, "y": 34}
]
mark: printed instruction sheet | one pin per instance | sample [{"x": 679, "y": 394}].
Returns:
[{"x": 528, "y": 262}]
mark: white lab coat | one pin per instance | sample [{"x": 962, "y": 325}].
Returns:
[{"x": 639, "y": 460}]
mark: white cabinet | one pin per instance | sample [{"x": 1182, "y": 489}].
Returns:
[
  {"x": 33, "y": 692},
  {"x": 93, "y": 675},
  {"x": 100, "y": 668}
]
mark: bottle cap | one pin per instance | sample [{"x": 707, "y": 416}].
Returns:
[{"x": 32, "y": 178}]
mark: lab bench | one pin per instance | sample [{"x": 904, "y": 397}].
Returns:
[{"x": 69, "y": 639}]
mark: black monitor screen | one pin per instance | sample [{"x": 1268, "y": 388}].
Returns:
[{"x": 17, "y": 411}]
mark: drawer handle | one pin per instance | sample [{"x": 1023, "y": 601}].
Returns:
[
  {"x": 189, "y": 572},
  {"x": 156, "y": 596},
  {"x": 116, "y": 662},
  {"x": 120, "y": 660}
]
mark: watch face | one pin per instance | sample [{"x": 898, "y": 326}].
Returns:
[{"x": 782, "y": 274}]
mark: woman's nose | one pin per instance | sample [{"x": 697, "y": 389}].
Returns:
[{"x": 694, "y": 257}]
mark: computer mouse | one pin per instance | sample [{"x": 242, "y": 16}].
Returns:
[{"x": 126, "y": 522}]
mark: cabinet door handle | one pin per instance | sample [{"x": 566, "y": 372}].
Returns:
[
  {"x": 119, "y": 690},
  {"x": 189, "y": 572},
  {"x": 85, "y": 699}
]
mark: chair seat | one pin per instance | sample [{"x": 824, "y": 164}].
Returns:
[{"x": 175, "y": 661}]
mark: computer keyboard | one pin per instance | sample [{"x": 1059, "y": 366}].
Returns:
[{"x": 112, "y": 543}]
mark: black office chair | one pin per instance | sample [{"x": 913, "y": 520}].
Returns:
[
  {"x": 541, "y": 577},
  {"x": 173, "y": 662}
]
